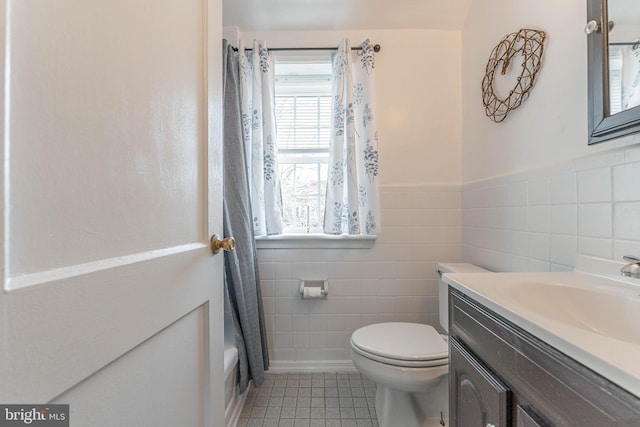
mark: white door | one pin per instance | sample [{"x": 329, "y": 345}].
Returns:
[{"x": 112, "y": 300}]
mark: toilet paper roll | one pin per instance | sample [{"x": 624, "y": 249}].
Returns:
[{"x": 312, "y": 292}]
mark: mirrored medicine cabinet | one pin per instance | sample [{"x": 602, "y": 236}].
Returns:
[{"x": 613, "y": 29}]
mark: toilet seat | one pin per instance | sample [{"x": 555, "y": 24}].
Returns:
[{"x": 410, "y": 345}]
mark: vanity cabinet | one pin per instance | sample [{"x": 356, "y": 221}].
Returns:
[{"x": 502, "y": 376}]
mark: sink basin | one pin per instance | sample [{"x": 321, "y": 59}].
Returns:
[
  {"x": 609, "y": 312},
  {"x": 593, "y": 318}
]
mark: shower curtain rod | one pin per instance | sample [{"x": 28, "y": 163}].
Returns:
[
  {"x": 624, "y": 43},
  {"x": 376, "y": 48}
]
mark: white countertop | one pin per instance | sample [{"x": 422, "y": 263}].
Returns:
[{"x": 546, "y": 318}]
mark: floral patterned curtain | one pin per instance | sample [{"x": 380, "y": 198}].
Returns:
[
  {"x": 352, "y": 203},
  {"x": 259, "y": 133}
]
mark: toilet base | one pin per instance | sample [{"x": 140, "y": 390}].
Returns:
[{"x": 398, "y": 408}]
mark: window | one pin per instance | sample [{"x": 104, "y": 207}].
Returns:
[{"x": 303, "y": 120}]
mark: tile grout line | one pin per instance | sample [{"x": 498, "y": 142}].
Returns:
[{"x": 311, "y": 400}]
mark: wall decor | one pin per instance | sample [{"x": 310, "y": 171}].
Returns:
[{"x": 527, "y": 43}]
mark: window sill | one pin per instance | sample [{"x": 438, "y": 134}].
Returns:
[{"x": 315, "y": 241}]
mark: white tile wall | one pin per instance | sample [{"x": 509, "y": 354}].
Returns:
[
  {"x": 563, "y": 188},
  {"x": 533, "y": 221},
  {"x": 626, "y": 183},
  {"x": 395, "y": 280},
  {"x": 594, "y": 185},
  {"x": 589, "y": 206}
]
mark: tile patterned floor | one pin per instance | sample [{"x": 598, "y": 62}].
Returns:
[{"x": 311, "y": 400}]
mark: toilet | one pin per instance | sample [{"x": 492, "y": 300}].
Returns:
[{"x": 409, "y": 363}]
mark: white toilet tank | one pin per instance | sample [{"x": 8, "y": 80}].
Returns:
[{"x": 443, "y": 294}]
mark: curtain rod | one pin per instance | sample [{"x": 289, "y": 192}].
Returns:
[
  {"x": 376, "y": 48},
  {"x": 624, "y": 43}
]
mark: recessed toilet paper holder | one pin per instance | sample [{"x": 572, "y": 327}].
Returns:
[{"x": 314, "y": 288}]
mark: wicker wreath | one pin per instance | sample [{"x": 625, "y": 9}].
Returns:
[{"x": 530, "y": 44}]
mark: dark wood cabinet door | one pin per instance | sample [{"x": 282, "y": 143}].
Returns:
[{"x": 477, "y": 397}]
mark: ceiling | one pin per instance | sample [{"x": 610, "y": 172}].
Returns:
[{"x": 284, "y": 15}]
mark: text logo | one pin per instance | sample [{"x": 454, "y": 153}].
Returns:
[{"x": 34, "y": 415}]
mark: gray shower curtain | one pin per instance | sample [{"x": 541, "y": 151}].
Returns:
[{"x": 242, "y": 280}]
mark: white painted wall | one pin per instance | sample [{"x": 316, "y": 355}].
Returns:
[
  {"x": 418, "y": 92},
  {"x": 531, "y": 192},
  {"x": 551, "y": 125},
  {"x": 535, "y": 194}
]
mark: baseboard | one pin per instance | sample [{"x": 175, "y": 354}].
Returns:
[
  {"x": 234, "y": 409},
  {"x": 310, "y": 366}
]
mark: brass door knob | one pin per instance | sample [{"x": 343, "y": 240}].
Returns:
[{"x": 227, "y": 244}]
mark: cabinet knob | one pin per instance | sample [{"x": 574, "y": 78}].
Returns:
[
  {"x": 594, "y": 26},
  {"x": 591, "y": 27}
]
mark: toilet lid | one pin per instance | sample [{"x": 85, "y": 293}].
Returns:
[{"x": 403, "y": 344}]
